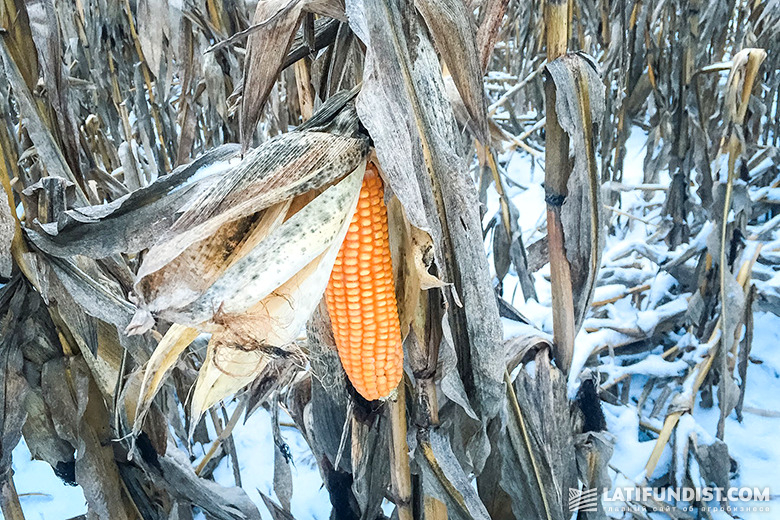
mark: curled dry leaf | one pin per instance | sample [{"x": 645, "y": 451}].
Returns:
[
  {"x": 175, "y": 474},
  {"x": 277, "y": 513},
  {"x": 133, "y": 222},
  {"x": 492, "y": 12},
  {"x": 579, "y": 104},
  {"x": 45, "y": 146}
]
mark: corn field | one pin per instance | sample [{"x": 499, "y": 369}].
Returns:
[{"x": 324, "y": 213}]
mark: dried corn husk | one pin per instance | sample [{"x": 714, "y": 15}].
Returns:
[
  {"x": 178, "y": 271},
  {"x": 261, "y": 297},
  {"x": 278, "y": 318}
]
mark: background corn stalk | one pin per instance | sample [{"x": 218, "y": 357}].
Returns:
[{"x": 109, "y": 102}]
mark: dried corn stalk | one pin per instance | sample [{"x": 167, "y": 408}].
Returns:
[{"x": 573, "y": 186}]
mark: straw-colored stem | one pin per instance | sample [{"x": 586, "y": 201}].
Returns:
[
  {"x": 221, "y": 436},
  {"x": 400, "y": 477}
]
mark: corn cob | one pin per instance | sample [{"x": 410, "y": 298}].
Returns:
[{"x": 361, "y": 298}]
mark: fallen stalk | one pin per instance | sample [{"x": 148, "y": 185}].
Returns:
[
  {"x": 224, "y": 434},
  {"x": 697, "y": 376},
  {"x": 516, "y": 88},
  {"x": 633, "y": 290}
]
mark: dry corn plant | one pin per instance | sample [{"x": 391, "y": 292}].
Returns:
[{"x": 217, "y": 206}]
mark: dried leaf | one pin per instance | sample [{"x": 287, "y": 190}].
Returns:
[
  {"x": 579, "y": 104},
  {"x": 370, "y": 463},
  {"x": 45, "y": 31},
  {"x": 444, "y": 479},
  {"x": 283, "y": 483},
  {"x": 714, "y": 462},
  {"x": 159, "y": 366},
  {"x": 153, "y": 28},
  {"x": 97, "y": 294},
  {"x": 175, "y": 474},
  {"x": 133, "y": 222},
  {"x": 80, "y": 417},
  {"x": 412, "y": 251},
  {"x": 454, "y": 33},
  {"x": 492, "y": 14},
  {"x": 526, "y": 340},
  {"x": 13, "y": 385},
  {"x": 277, "y": 513},
  {"x": 745, "y": 345},
  {"x": 45, "y": 145},
  {"x": 539, "y": 456},
  {"x": 266, "y": 50},
  {"x": 18, "y": 36}
]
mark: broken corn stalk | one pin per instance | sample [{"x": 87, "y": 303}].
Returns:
[{"x": 361, "y": 298}]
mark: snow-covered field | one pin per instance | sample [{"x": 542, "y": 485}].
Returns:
[
  {"x": 44, "y": 496},
  {"x": 753, "y": 443}
]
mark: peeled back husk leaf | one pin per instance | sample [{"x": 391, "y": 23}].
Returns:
[
  {"x": 285, "y": 251},
  {"x": 160, "y": 363},
  {"x": 191, "y": 273},
  {"x": 240, "y": 350},
  {"x": 286, "y": 166},
  {"x": 175, "y": 272}
]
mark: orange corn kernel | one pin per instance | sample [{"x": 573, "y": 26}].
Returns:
[{"x": 361, "y": 298}]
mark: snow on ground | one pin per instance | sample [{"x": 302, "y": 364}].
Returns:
[
  {"x": 255, "y": 450},
  {"x": 753, "y": 444},
  {"x": 44, "y": 496}
]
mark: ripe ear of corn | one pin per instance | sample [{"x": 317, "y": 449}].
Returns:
[{"x": 361, "y": 298}]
